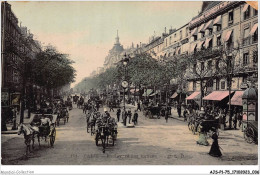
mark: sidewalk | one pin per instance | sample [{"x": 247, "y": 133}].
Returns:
[{"x": 10, "y": 125}]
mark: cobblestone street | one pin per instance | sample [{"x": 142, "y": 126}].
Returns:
[{"x": 152, "y": 141}]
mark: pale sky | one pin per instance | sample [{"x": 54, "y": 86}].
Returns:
[{"x": 87, "y": 30}]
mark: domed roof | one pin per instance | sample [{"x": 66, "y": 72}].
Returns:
[
  {"x": 117, "y": 48},
  {"x": 250, "y": 93}
]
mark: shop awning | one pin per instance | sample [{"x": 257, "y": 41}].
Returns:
[
  {"x": 174, "y": 95},
  {"x": 217, "y": 95},
  {"x": 148, "y": 92},
  {"x": 217, "y": 21},
  {"x": 207, "y": 42},
  {"x": 208, "y": 25},
  {"x": 193, "y": 47},
  {"x": 254, "y": 28},
  {"x": 193, "y": 95},
  {"x": 200, "y": 44},
  {"x": 194, "y": 31},
  {"x": 245, "y": 8},
  {"x": 237, "y": 98},
  {"x": 201, "y": 28},
  {"x": 228, "y": 35}
]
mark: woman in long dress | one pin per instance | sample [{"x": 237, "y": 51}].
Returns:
[{"x": 214, "y": 150}]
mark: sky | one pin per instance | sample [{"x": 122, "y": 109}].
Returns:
[{"x": 87, "y": 30}]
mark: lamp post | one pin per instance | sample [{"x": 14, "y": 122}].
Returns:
[{"x": 124, "y": 82}]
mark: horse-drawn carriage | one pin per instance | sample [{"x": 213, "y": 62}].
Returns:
[
  {"x": 151, "y": 111},
  {"x": 41, "y": 126},
  {"x": 200, "y": 124},
  {"x": 69, "y": 104},
  {"x": 62, "y": 114},
  {"x": 106, "y": 132}
]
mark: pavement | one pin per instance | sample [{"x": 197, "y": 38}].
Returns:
[{"x": 150, "y": 142}]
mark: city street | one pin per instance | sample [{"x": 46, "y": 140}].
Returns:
[{"x": 152, "y": 141}]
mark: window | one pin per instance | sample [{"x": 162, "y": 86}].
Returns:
[
  {"x": 210, "y": 83},
  {"x": 194, "y": 85},
  {"x": 175, "y": 35},
  {"x": 217, "y": 65},
  {"x": 170, "y": 40},
  {"x": 217, "y": 84},
  {"x": 244, "y": 80},
  {"x": 180, "y": 35},
  {"x": 195, "y": 37},
  {"x": 255, "y": 12},
  {"x": 202, "y": 66},
  {"x": 194, "y": 67},
  {"x": 230, "y": 17},
  {"x": 255, "y": 36},
  {"x": 202, "y": 34},
  {"x": 218, "y": 28},
  {"x": 223, "y": 84},
  {"x": 219, "y": 40},
  {"x": 246, "y": 33},
  {"x": 210, "y": 43},
  {"x": 209, "y": 64},
  {"x": 210, "y": 31},
  {"x": 245, "y": 58},
  {"x": 247, "y": 13},
  {"x": 179, "y": 51}
]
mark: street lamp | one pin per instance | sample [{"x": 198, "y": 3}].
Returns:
[{"x": 125, "y": 84}]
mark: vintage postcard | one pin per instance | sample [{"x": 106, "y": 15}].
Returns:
[{"x": 130, "y": 83}]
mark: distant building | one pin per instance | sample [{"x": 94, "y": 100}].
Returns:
[{"x": 114, "y": 54}]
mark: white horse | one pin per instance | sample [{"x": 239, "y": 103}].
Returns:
[{"x": 29, "y": 133}]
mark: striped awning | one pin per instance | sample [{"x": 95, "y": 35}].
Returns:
[
  {"x": 237, "y": 98},
  {"x": 194, "y": 31},
  {"x": 193, "y": 95},
  {"x": 208, "y": 25},
  {"x": 228, "y": 35},
  {"x": 207, "y": 42},
  {"x": 245, "y": 8},
  {"x": 217, "y": 21},
  {"x": 217, "y": 95},
  {"x": 201, "y": 28},
  {"x": 254, "y": 28}
]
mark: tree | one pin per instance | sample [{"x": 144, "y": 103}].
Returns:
[{"x": 52, "y": 69}]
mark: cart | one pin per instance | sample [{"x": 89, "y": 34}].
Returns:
[
  {"x": 47, "y": 133},
  {"x": 152, "y": 111}
]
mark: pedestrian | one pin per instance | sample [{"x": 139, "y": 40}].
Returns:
[
  {"x": 214, "y": 150},
  {"x": 231, "y": 113},
  {"x": 118, "y": 112},
  {"x": 239, "y": 117},
  {"x": 111, "y": 107},
  {"x": 138, "y": 106},
  {"x": 179, "y": 109},
  {"x": 185, "y": 113},
  {"x": 166, "y": 116},
  {"x": 129, "y": 114},
  {"x": 135, "y": 117},
  {"x": 235, "y": 116}
]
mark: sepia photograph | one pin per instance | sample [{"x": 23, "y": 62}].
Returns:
[{"x": 129, "y": 83}]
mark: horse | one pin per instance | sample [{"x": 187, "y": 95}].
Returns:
[{"x": 29, "y": 133}]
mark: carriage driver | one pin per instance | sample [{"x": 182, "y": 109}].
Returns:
[{"x": 45, "y": 124}]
